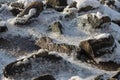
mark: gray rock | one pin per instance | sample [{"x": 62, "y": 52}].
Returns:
[
  {"x": 48, "y": 43},
  {"x": 58, "y": 5},
  {"x": 56, "y": 27},
  {"x": 98, "y": 47},
  {"x": 85, "y": 9},
  {"x": 45, "y": 77},
  {"x": 94, "y": 22}
]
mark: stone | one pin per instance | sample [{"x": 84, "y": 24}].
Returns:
[
  {"x": 49, "y": 44},
  {"x": 56, "y": 27},
  {"x": 98, "y": 47},
  {"x": 109, "y": 66},
  {"x": 102, "y": 77},
  {"x": 116, "y": 22},
  {"x": 15, "y": 11},
  {"x": 37, "y": 5},
  {"x": 3, "y": 29},
  {"x": 94, "y": 22},
  {"x": 16, "y": 67},
  {"x": 22, "y": 65},
  {"x": 17, "y": 5},
  {"x": 73, "y": 5},
  {"x": 117, "y": 75},
  {"x": 85, "y": 9},
  {"x": 105, "y": 19},
  {"x": 45, "y": 77},
  {"x": 58, "y": 5}
]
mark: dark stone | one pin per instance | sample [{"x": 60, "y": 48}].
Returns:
[
  {"x": 82, "y": 56},
  {"x": 45, "y": 77},
  {"x": 22, "y": 65},
  {"x": 47, "y": 43},
  {"x": 3, "y": 29},
  {"x": 102, "y": 77},
  {"x": 17, "y": 5},
  {"x": 95, "y": 47},
  {"x": 85, "y": 9},
  {"x": 73, "y": 4},
  {"x": 56, "y": 27},
  {"x": 116, "y": 22},
  {"x": 109, "y": 3},
  {"x": 15, "y": 11},
  {"x": 13, "y": 68},
  {"x": 105, "y": 19},
  {"x": 70, "y": 16},
  {"x": 37, "y": 5},
  {"x": 117, "y": 76},
  {"x": 58, "y": 5},
  {"x": 54, "y": 3},
  {"x": 109, "y": 66}
]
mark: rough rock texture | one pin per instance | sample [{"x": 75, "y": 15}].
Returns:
[
  {"x": 85, "y": 9},
  {"x": 102, "y": 77},
  {"x": 45, "y": 77},
  {"x": 16, "y": 8},
  {"x": 56, "y": 27},
  {"x": 15, "y": 11},
  {"x": 109, "y": 66},
  {"x": 37, "y": 64},
  {"x": 93, "y": 21},
  {"x": 47, "y": 43},
  {"x": 20, "y": 66},
  {"x": 17, "y": 5},
  {"x": 108, "y": 2},
  {"x": 97, "y": 47},
  {"x": 37, "y": 5},
  {"x": 58, "y": 5},
  {"x": 73, "y": 5}
]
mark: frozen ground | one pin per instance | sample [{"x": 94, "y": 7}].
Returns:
[{"x": 72, "y": 34}]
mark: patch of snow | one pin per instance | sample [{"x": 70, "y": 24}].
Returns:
[
  {"x": 104, "y": 35},
  {"x": 27, "y": 2},
  {"x": 114, "y": 15},
  {"x": 84, "y": 3}
]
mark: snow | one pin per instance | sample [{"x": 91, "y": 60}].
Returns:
[
  {"x": 27, "y": 2},
  {"x": 114, "y": 15},
  {"x": 72, "y": 35},
  {"x": 104, "y": 35},
  {"x": 75, "y": 78}
]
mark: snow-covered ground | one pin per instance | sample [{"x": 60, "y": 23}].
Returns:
[{"x": 72, "y": 34}]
